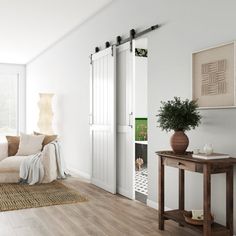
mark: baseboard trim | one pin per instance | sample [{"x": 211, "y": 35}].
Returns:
[
  {"x": 154, "y": 205},
  {"x": 78, "y": 173}
]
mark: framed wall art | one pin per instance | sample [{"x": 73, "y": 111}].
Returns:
[{"x": 213, "y": 76}]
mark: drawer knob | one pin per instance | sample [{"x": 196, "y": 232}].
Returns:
[{"x": 179, "y": 164}]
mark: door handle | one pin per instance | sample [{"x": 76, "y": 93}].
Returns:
[{"x": 130, "y": 123}]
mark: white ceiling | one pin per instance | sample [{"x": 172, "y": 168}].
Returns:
[{"x": 27, "y": 27}]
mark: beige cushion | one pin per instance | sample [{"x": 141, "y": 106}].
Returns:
[
  {"x": 13, "y": 144},
  {"x": 11, "y": 164},
  {"x": 48, "y": 138},
  {"x": 30, "y": 144}
]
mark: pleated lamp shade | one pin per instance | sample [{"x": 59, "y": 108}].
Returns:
[{"x": 45, "y": 113}]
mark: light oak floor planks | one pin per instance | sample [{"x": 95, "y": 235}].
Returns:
[{"x": 103, "y": 215}]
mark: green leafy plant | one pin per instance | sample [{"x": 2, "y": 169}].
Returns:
[{"x": 179, "y": 115}]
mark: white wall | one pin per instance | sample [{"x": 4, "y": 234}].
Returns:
[
  {"x": 27, "y": 27},
  {"x": 188, "y": 25},
  {"x": 18, "y": 69}
]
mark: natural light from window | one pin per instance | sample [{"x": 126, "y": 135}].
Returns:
[{"x": 8, "y": 104}]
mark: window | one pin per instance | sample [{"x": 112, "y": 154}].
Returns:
[{"x": 9, "y": 104}]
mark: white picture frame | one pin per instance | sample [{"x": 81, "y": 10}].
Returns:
[{"x": 213, "y": 77}]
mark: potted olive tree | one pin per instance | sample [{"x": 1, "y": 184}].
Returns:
[{"x": 180, "y": 116}]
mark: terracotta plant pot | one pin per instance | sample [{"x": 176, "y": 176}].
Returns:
[{"x": 179, "y": 142}]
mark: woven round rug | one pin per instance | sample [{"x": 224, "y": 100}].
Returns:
[{"x": 21, "y": 196}]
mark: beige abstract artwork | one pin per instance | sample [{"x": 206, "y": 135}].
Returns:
[{"x": 214, "y": 78}]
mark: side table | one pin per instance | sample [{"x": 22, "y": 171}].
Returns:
[{"x": 207, "y": 167}]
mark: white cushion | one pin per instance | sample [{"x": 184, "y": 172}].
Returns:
[{"x": 30, "y": 144}]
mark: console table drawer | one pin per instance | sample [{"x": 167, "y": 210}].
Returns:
[{"x": 185, "y": 165}]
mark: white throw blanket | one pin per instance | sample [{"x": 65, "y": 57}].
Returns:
[
  {"x": 61, "y": 168},
  {"x": 32, "y": 170}
]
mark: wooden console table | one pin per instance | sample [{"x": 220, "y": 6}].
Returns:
[{"x": 207, "y": 167}]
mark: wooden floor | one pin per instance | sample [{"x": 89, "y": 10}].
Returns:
[{"x": 103, "y": 214}]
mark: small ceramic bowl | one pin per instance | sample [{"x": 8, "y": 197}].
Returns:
[{"x": 188, "y": 219}]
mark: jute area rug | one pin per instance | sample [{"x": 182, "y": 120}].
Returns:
[{"x": 21, "y": 196}]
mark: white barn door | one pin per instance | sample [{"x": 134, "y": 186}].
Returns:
[
  {"x": 125, "y": 121},
  {"x": 103, "y": 119}
]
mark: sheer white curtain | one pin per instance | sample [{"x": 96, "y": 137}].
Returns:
[{"x": 9, "y": 104}]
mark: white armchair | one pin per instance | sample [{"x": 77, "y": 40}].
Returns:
[{"x": 10, "y": 166}]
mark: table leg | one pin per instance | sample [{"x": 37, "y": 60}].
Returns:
[
  {"x": 207, "y": 200},
  {"x": 161, "y": 201},
  {"x": 181, "y": 191},
  {"x": 229, "y": 200}
]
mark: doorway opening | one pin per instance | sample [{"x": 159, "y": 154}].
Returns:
[{"x": 141, "y": 119}]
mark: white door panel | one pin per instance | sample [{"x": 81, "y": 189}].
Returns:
[
  {"x": 125, "y": 117},
  {"x": 103, "y": 119}
]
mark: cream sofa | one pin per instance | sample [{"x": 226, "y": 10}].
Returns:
[{"x": 10, "y": 166}]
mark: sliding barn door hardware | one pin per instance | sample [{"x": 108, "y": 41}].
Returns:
[
  {"x": 132, "y": 35},
  {"x": 118, "y": 40},
  {"x": 112, "y": 50},
  {"x": 107, "y": 44},
  {"x": 91, "y": 59}
]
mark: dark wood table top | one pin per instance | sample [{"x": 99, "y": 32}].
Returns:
[{"x": 188, "y": 157}]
